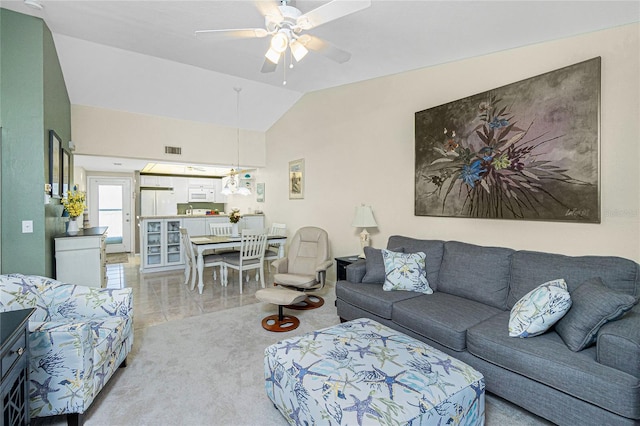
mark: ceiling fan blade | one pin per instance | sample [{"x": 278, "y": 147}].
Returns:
[
  {"x": 236, "y": 33},
  {"x": 269, "y": 8},
  {"x": 268, "y": 66},
  {"x": 324, "y": 48},
  {"x": 330, "y": 11}
]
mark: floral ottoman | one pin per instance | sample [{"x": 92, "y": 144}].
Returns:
[{"x": 362, "y": 372}]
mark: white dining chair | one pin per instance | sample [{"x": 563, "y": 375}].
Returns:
[
  {"x": 191, "y": 261},
  {"x": 271, "y": 252},
  {"x": 250, "y": 256},
  {"x": 220, "y": 229}
]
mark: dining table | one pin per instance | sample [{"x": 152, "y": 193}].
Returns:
[{"x": 203, "y": 243}]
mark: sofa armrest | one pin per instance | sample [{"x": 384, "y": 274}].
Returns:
[
  {"x": 60, "y": 361},
  {"x": 618, "y": 344},
  {"x": 356, "y": 271}
]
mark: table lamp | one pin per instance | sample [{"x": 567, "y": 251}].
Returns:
[{"x": 364, "y": 219}]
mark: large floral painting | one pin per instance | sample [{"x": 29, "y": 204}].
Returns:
[{"x": 528, "y": 150}]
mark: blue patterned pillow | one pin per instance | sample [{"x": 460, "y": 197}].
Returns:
[
  {"x": 539, "y": 309},
  {"x": 405, "y": 271}
]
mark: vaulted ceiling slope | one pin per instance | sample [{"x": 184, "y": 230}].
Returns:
[{"x": 143, "y": 57}]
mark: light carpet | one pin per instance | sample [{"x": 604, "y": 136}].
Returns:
[{"x": 208, "y": 370}]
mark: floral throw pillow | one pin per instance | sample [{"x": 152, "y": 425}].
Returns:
[
  {"x": 539, "y": 309},
  {"x": 405, "y": 271}
]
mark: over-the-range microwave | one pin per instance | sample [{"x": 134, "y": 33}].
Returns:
[{"x": 204, "y": 195}]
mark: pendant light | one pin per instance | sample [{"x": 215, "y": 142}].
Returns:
[{"x": 233, "y": 183}]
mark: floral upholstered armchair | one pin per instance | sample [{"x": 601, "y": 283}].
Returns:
[{"x": 78, "y": 337}]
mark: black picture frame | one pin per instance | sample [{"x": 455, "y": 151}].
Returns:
[
  {"x": 55, "y": 159},
  {"x": 66, "y": 172}
]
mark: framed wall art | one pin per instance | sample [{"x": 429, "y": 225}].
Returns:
[
  {"x": 66, "y": 172},
  {"x": 55, "y": 157},
  {"x": 296, "y": 179},
  {"x": 527, "y": 151},
  {"x": 260, "y": 192}
]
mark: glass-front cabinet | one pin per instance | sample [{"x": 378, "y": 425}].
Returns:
[
  {"x": 173, "y": 254},
  {"x": 161, "y": 248}
]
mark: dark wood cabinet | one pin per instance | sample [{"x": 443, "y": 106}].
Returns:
[
  {"x": 14, "y": 363},
  {"x": 341, "y": 266}
]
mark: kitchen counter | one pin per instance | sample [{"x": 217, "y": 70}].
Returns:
[{"x": 186, "y": 216}]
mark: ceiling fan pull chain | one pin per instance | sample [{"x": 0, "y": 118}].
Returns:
[{"x": 284, "y": 70}]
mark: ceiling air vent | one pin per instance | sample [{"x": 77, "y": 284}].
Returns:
[{"x": 173, "y": 150}]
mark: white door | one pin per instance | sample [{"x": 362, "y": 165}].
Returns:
[{"x": 110, "y": 205}]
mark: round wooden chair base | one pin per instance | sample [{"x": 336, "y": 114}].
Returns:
[
  {"x": 311, "y": 302},
  {"x": 274, "y": 323}
]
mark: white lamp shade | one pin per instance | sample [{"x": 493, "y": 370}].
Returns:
[
  {"x": 273, "y": 56},
  {"x": 364, "y": 218},
  {"x": 298, "y": 50},
  {"x": 279, "y": 42}
]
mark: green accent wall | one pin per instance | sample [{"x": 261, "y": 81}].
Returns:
[{"x": 33, "y": 99}]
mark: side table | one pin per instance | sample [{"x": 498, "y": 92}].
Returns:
[
  {"x": 14, "y": 353},
  {"x": 341, "y": 266}
]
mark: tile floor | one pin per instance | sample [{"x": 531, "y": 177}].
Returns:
[{"x": 163, "y": 296}]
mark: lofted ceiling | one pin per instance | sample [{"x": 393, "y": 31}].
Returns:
[{"x": 143, "y": 56}]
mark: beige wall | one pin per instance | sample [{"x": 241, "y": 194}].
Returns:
[
  {"x": 105, "y": 132},
  {"x": 358, "y": 146}
]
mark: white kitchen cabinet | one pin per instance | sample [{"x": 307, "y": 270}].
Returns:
[
  {"x": 195, "y": 226},
  {"x": 161, "y": 247},
  {"x": 201, "y": 182},
  {"x": 252, "y": 222},
  {"x": 156, "y": 181},
  {"x": 81, "y": 259},
  {"x": 181, "y": 189},
  {"x": 220, "y": 197}
]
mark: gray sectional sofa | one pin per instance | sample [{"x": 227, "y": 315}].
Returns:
[{"x": 467, "y": 317}]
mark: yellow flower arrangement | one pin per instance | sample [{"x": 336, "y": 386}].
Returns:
[
  {"x": 74, "y": 203},
  {"x": 234, "y": 216}
]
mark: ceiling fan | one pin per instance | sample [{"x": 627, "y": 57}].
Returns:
[{"x": 286, "y": 25}]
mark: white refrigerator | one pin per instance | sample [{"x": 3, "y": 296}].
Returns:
[{"x": 158, "y": 203}]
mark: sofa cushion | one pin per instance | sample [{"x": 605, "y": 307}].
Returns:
[
  {"x": 432, "y": 248},
  {"x": 375, "y": 265},
  {"x": 371, "y": 298},
  {"x": 441, "y": 317},
  {"x": 405, "y": 271},
  {"x": 546, "y": 359},
  {"x": 475, "y": 272},
  {"x": 593, "y": 306},
  {"x": 529, "y": 269},
  {"x": 618, "y": 343},
  {"x": 539, "y": 309}
]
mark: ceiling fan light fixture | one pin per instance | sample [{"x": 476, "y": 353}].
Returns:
[
  {"x": 273, "y": 56},
  {"x": 298, "y": 50},
  {"x": 280, "y": 41}
]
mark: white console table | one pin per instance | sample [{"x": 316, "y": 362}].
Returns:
[{"x": 81, "y": 259}]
